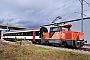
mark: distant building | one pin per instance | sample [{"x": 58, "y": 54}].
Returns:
[{"x": 4, "y": 28}]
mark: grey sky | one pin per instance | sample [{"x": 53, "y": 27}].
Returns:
[{"x": 34, "y": 13}]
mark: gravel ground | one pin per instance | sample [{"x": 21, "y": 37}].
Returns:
[
  {"x": 86, "y": 47},
  {"x": 3, "y": 43},
  {"x": 60, "y": 48}
]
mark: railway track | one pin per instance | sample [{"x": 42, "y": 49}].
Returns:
[
  {"x": 84, "y": 49},
  {"x": 87, "y": 44}
]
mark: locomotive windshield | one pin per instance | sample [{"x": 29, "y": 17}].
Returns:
[
  {"x": 54, "y": 29},
  {"x": 65, "y": 29},
  {"x": 60, "y": 28}
]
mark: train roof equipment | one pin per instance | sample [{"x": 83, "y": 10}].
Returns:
[
  {"x": 62, "y": 25},
  {"x": 66, "y": 22}
]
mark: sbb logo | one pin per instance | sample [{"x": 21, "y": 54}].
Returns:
[{"x": 60, "y": 35}]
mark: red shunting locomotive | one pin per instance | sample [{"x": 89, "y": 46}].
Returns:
[{"x": 62, "y": 35}]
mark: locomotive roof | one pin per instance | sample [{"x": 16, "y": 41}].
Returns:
[{"x": 62, "y": 25}]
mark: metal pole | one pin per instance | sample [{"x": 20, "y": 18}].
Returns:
[
  {"x": 81, "y": 15},
  {"x": 7, "y": 26}
]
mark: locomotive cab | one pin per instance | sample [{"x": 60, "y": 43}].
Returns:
[{"x": 61, "y": 27}]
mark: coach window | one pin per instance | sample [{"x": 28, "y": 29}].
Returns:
[
  {"x": 26, "y": 33},
  {"x": 5, "y": 35},
  {"x": 23, "y": 33},
  {"x": 37, "y": 33},
  {"x": 11, "y": 34},
  {"x": 15, "y": 34},
  {"x": 19, "y": 34},
  {"x": 8, "y": 34},
  {"x": 30, "y": 33}
]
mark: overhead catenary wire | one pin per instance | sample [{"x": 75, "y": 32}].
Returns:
[
  {"x": 74, "y": 12},
  {"x": 62, "y": 7},
  {"x": 77, "y": 11},
  {"x": 86, "y": 2},
  {"x": 68, "y": 5},
  {"x": 50, "y": 19},
  {"x": 68, "y": 14},
  {"x": 65, "y": 5}
]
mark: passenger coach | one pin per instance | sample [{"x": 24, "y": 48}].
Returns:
[{"x": 29, "y": 34}]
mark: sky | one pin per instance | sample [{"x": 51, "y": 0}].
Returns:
[{"x": 35, "y": 13}]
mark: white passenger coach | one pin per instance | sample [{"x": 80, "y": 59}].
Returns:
[
  {"x": 28, "y": 34},
  {"x": 22, "y": 34}
]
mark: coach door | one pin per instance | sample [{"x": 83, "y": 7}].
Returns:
[{"x": 34, "y": 34}]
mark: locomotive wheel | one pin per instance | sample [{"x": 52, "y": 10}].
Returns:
[
  {"x": 78, "y": 45},
  {"x": 39, "y": 41},
  {"x": 47, "y": 43},
  {"x": 66, "y": 45},
  {"x": 42, "y": 41}
]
